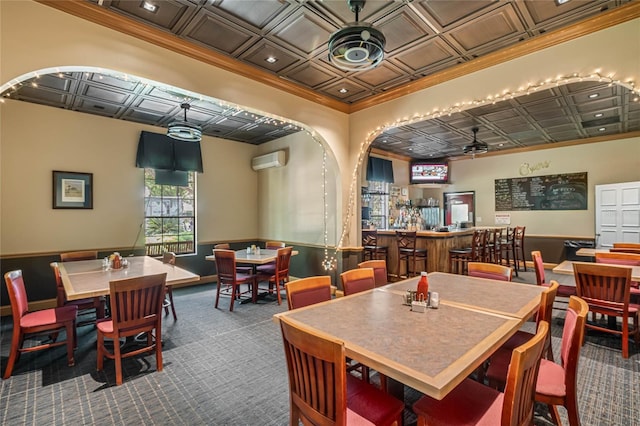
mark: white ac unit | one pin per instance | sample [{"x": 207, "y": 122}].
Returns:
[{"x": 273, "y": 159}]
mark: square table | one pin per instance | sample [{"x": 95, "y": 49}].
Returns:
[
  {"x": 87, "y": 278},
  {"x": 433, "y": 351}
]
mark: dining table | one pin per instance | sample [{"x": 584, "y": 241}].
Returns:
[
  {"x": 90, "y": 278},
  {"x": 431, "y": 351},
  {"x": 254, "y": 258}
]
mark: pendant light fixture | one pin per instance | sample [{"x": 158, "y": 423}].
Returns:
[
  {"x": 183, "y": 130},
  {"x": 476, "y": 147},
  {"x": 358, "y": 46}
]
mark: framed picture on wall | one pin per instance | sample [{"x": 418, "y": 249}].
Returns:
[{"x": 72, "y": 190}]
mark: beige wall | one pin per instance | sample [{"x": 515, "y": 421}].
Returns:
[
  {"x": 38, "y": 139},
  {"x": 614, "y": 50},
  {"x": 605, "y": 162},
  {"x": 227, "y": 202}
]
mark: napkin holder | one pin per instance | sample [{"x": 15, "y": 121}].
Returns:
[{"x": 419, "y": 305}]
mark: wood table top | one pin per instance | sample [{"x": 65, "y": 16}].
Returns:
[
  {"x": 265, "y": 256},
  {"x": 431, "y": 351},
  {"x": 566, "y": 268},
  {"x": 87, "y": 278}
]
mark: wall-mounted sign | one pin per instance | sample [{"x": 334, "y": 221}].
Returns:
[{"x": 503, "y": 219}]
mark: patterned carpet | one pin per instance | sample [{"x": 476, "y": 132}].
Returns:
[{"x": 223, "y": 368}]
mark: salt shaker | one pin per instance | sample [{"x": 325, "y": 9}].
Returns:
[{"x": 434, "y": 300}]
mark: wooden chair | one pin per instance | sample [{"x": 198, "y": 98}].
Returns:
[
  {"x": 73, "y": 256},
  {"x": 280, "y": 277},
  {"x": 474, "y": 403},
  {"x": 627, "y": 245},
  {"x": 460, "y": 257},
  {"x": 496, "y": 371},
  {"x": 379, "y": 270},
  {"x": 320, "y": 390},
  {"x": 606, "y": 288},
  {"x": 136, "y": 306},
  {"x": 409, "y": 253},
  {"x": 627, "y": 259},
  {"x": 169, "y": 258},
  {"x": 93, "y": 305},
  {"x": 506, "y": 248},
  {"x": 538, "y": 266},
  {"x": 517, "y": 248},
  {"x": 357, "y": 280},
  {"x": 494, "y": 246},
  {"x": 29, "y": 324},
  {"x": 370, "y": 248},
  {"x": 489, "y": 270},
  {"x": 557, "y": 384},
  {"x": 308, "y": 291},
  {"x": 624, "y": 250},
  {"x": 230, "y": 277},
  {"x": 241, "y": 269},
  {"x": 270, "y": 268}
]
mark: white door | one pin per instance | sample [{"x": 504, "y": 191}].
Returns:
[{"x": 617, "y": 213}]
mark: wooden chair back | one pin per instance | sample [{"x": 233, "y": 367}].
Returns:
[
  {"x": 317, "y": 377},
  {"x": 357, "y": 280},
  {"x": 518, "y": 235},
  {"x": 520, "y": 389},
  {"x": 627, "y": 245},
  {"x": 61, "y": 295},
  {"x": 169, "y": 257},
  {"x": 225, "y": 266},
  {"x": 478, "y": 243},
  {"x": 17, "y": 295},
  {"x": 624, "y": 250},
  {"x": 369, "y": 238},
  {"x": 545, "y": 313},
  {"x": 308, "y": 291},
  {"x": 379, "y": 270},
  {"x": 619, "y": 258},
  {"x": 490, "y": 271},
  {"x": 72, "y": 256},
  {"x": 274, "y": 245},
  {"x": 572, "y": 338},
  {"x": 283, "y": 260},
  {"x": 605, "y": 286},
  {"x": 136, "y": 304},
  {"x": 406, "y": 239},
  {"x": 538, "y": 266},
  {"x": 222, "y": 246}
]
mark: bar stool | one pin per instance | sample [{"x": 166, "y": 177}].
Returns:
[
  {"x": 370, "y": 244},
  {"x": 459, "y": 258},
  {"x": 506, "y": 249},
  {"x": 407, "y": 251},
  {"x": 518, "y": 248}
]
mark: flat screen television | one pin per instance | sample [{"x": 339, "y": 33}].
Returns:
[{"x": 429, "y": 171}]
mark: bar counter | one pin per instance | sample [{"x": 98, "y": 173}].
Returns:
[{"x": 437, "y": 244}]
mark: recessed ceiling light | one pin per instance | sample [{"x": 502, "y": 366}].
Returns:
[
  {"x": 343, "y": 90},
  {"x": 559, "y": 2},
  {"x": 593, "y": 95},
  {"x": 271, "y": 60},
  {"x": 598, "y": 115},
  {"x": 602, "y": 129},
  {"x": 149, "y": 6},
  {"x": 500, "y": 144}
]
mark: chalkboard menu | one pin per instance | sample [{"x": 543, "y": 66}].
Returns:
[{"x": 552, "y": 192}]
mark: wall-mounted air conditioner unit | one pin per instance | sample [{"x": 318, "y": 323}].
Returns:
[{"x": 273, "y": 159}]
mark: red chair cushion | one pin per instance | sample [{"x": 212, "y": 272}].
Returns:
[
  {"x": 49, "y": 316},
  {"x": 371, "y": 403},
  {"x": 499, "y": 365},
  {"x": 470, "y": 403},
  {"x": 551, "y": 379},
  {"x": 311, "y": 296},
  {"x": 488, "y": 275},
  {"x": 269, "y": 268},
  {"x": 520, "y": 338},
  {"x": 105, "y": 326}
]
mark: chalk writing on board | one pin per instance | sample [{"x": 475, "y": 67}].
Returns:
[{"x": 566, "y": 191}]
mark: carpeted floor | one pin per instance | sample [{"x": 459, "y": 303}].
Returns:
[{"x": 223, "y": 368}]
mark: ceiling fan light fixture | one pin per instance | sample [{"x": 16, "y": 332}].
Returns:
[
  {"x": 183, "y": 130},
  {"x": 358, "y": 46},
  {"x": 476, "y": 146}
]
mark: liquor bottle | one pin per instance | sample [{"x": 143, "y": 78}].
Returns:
[{"x": 423, "y": 287}]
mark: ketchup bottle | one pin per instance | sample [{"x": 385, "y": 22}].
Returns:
[{"x": 423, "y": 287}]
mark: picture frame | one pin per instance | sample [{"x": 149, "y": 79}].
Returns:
[{"x": 72, "y": 190}]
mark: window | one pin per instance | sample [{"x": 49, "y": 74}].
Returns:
[{"x": 170, "y": 215}]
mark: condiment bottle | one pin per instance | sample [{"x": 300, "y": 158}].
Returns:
[
  {"x": 117, "y": 263},
  {"x": 423, "y": 287}
]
